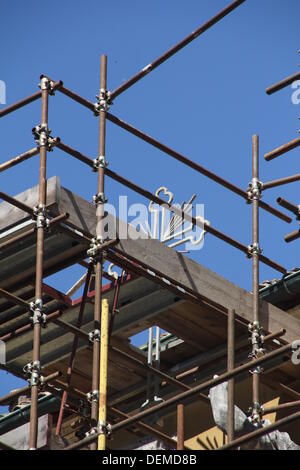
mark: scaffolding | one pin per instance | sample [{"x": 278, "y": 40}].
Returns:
[{"x": 100, "y": 248}]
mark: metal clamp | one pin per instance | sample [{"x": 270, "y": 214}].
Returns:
[
  {"x": 99, "y": 198},
  {"x": 40, "y": 215},
  {"x": 257, "y": 370},
  {"x": 92, "y": 432},
  {"x": 257, "y": 340},
  {"x": 254, "y": 190},
  {"x": 37, "y": 314},
  {"x": 33, "y": 371},
  {"x": 93, "y": 396},
  {"x": 42, "y": 136},
  {"x": 51, "y": 143},
  {"x": 104, "y": 428},
  {"x": 46, "y": 84},
  {"x": 256, "y": 414},
  {"x": 99, "y": 162},
  {"x": 95, "y": 249},
  {"x": 94, "y": 335},
  {"x": 103, "y": 102},
  {"x": 254, "y": 249}
]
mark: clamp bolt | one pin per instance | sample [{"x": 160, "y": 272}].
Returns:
[
  {"x": 256, "y": 412},
  {"x": 99, "y": 162},
  {"x": 94, "y": 335},
  {"x": 93, "y": 396},
  {"x": 254, "y": 249},
  {"x": 37, "y": 314},
  {"x": 40, "y": 215},
  {"x": 41, "y": 134},
  {"x": 103, "y": 102},
  {"x": 99, "y": 198},
  {"x": 95, "y": 249},
  {"x": 257, "y": 340},
  {"x": 33, "y": 371},
  {"x": 254, "y": 190}
]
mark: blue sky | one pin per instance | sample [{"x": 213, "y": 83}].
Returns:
[{"x": 206, "y": 102}]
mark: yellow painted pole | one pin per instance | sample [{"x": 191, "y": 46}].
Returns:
[{"x": 103, "y": 373}]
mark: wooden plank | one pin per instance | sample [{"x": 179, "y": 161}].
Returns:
[
  {"x": 178, "y": 267},
  {"x": 175, "y": 324},
  {"x": 209, "y": 285},
  {"x": 10, "y": 215}
]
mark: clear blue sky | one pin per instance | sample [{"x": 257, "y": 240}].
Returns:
[{"x": 206, "y": 102}]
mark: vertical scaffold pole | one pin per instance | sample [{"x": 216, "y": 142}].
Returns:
[
  {"x": 255, "y": 251},
  {"x": 98, "y": 258},
  {"x": 103, "y": 375},
  {"x": 230, "y": 366},
  {"x": 180, "y": 426},
  {"x": 42, "y": 132},
  {"x": 74, "y": 350}
]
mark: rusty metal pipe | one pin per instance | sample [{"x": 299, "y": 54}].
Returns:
[
  {"x": 99, "y": 260},
  {"x": 159, "y": 373},
  {"x": 20, "y": 104},
  {"x": 195, "y": 166},
  {"x": 74, "y": 153},
  {"x": 15, "y": 202},
  {"x": 58, "y": 219},
  {"x": 283, "y": 83},
  {"x": 230, "y": 367},
  {"x": 74, "y": 233},
  {"x": 182, "y": 214},
  {"x": 27, "y": 100},
  {"x": 42, "y": 196},
  {"x": 16, "y": 393},
  {"x": 255, "y": 265},
  {"x": 14, "y": 299},
  {"x": 146, "y": 428},
  {"x": 72, "y": 329},
  {"x": 180, "y": 426},
  {"x": 283, "y": 406},
  {"x": 281, "y": 181},
  {"x": 24, "y": 156},
  {"x": 74, "y": 348},
  {"x": 75, "y": 97},
  {"x": 276, "y": 335},
  {"x": 28, "y": 327},
  {"x": 118, "y": 283},
  {"x": 160, "y": 60},
  {"x": 19, "y": 159},
  {"x": 291, "y": 237},
  {"x": 289, "y": 206},
  {"x": 282, "y": 149}
]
